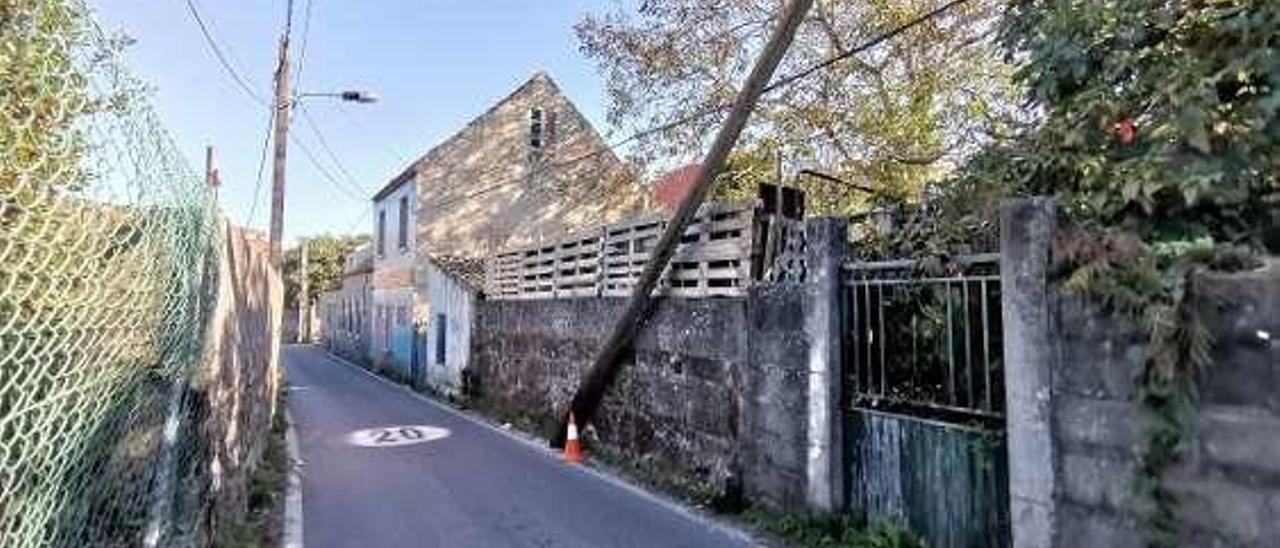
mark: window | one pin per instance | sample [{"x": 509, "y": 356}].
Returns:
[
  {"x": 440, "y": 332},
  {"x": 382, "y": 233},
  {"x": 536, "y": 129},
  {"x": 404, "y": 223},
  {"x": 549, "y": 126}
]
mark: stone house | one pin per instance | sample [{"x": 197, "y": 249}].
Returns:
[
  {"x": 529, "y": 168},
  {"x": 344, "y": 317},
  {"x": 395, "y": 306},
  {"x": 453, "y": 285}
]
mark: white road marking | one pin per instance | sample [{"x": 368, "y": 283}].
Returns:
[
  {"x": 396, "y": 435},
  {"x": 293, "y": 491}
]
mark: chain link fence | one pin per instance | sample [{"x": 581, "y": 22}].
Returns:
[{"x": 109, "y": 274}]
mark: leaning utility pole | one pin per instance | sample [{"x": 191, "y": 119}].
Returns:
[
  {"x": 591, "y": 391},
  {"x": 281, "y": 138},
  {"x": 304, "y": 298}
]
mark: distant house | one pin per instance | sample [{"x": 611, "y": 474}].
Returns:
[
  {"x": 670, "y": 189},
  {"x": 530, "y": 168},
  {"x": 344, "y": 314}
]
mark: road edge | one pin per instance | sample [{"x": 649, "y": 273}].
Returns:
[
  {"x": 293, "y": 488},
  {"x": 541, "y": 448}
]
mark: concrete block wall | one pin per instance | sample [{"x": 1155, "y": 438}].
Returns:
[
  {"x": 714, "y": 400},
  {"x": 1229, "y": 481},
  {"x": 672, "y": 410},
  {"x": 1090, "y": 434},
  {"x": 774, "y": 433}
]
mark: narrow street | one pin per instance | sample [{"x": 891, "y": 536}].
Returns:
[{"x": 473, "y": 487}]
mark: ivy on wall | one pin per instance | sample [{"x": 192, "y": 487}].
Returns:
[
  {"x": 1156, "y": 128},
  {"x": 1158, "y": 132}
]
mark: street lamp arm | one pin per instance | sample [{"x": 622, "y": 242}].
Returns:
[{"x": 354, "y": 96}]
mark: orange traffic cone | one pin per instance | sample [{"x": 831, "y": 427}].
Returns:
[{"x": 572, "y": 447}]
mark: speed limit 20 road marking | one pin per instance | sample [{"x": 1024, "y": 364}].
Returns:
[{"x": 394, "y": 436}]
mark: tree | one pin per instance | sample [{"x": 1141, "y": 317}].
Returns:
[
  {"x": 1159, "y": 117},
  {"x": 326, "y": 256},
  {"x": 1160, "y": 139},
  {"x": 894, "y": 118}
]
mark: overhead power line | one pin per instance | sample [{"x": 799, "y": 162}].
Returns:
[
  {"x": 222, "y": 57},
  {"x": 324, "y": 144},
  {"x": 873, "y": 42},
  {"x": 302, "y": 51},
  {"x": 262, "y": 164},
  {"x": 327, "y": 176},
  {"x": 781, "y": 82}
]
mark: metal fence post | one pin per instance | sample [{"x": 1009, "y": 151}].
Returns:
[{"x": 825, "y": 251}]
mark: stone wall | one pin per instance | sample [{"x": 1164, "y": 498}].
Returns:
[
  {"x": 716, "y": 387},
  {"x": 775, "y": 399},
  {"x": 1076, "y": 428},
  {"x": 238, "y": 383},
  {"x": 1229, "y": 482}
]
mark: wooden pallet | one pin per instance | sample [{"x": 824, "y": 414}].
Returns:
[{"x": 712, "y": 259}]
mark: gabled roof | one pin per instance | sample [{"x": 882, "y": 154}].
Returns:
[
  {"x": 672, "y": 187},
  {"x": 408, "y": 173},
  {"x": 469, "y": 271}
]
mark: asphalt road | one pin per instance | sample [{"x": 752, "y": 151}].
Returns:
[{"x": 475, "y": 487}]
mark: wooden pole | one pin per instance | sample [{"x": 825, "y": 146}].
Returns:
[
  {"x": 281, "y": 138},
  {"x": 587, "y": 399},
  {"x": 304, "y": 298}
]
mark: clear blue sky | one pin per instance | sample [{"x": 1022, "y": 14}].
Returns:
[{"x": 436, "y": 65}]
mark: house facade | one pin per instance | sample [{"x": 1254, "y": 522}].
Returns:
[
  {"x": 344, "y": 324},
  {"x": 453, "y": 285},
  {"x": 395, "y": 306},
  {"x": 529, "y": 168}
]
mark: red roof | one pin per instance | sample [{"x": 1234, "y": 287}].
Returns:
[{"x": 672, "y": 187}]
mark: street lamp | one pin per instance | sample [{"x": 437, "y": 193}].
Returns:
[
  {"x": 353, "y": 96},
  {"x": 277, "y": 194}
]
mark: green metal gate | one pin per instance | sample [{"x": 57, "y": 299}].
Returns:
[{"x": 924, "y": 398}]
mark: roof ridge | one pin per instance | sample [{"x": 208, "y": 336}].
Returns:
[{"x": 538, "y": 76}]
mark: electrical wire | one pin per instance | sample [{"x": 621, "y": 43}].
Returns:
[
  {"x": 327, "y": 175},
  {"x": 716, "y": 109},
  {"x": 222, "y": 57},
  {"x": 302, "y": 51},
  {"x": 262, "y": 164},
  {"x": 324, "y": 145}
]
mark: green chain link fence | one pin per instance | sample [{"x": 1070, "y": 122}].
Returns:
[{"x": 108, "y": 272}]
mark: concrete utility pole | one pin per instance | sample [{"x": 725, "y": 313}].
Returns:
[
  {"x": 281, "y": 138},
  {"x": 591, "y": 391},
  {"x": 304, "y": 299}
]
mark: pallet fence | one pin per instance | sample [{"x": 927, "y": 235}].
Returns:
[{"x": 714, "y": 259}]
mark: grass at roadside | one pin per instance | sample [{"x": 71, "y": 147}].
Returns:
[
  {"x": 263, "y": 526},
  {"x": 780, "y": 529},
  {"x": 832, "y": 531}
]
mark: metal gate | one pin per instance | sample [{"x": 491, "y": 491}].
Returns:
[{"x": 924, "y": 398}]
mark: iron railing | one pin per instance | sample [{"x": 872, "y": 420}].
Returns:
[{"x": 924, "y": 338}]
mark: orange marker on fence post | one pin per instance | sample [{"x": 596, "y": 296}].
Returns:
[{"x": 572, "y": 447}]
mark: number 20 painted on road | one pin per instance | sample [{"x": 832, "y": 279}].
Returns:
[{"x": 394, "y": 436}]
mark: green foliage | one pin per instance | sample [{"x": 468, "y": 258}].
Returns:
[
  {"x": 107, "y": 241},
  {"x": 326, "y": 256},
  {"x": 1196, "y": 81},
  {"x": 835, "y": 531},
  {"x": 1158, "y": 132},
  {"x": 894, "y": 118},
  {"x": 263, "y": 525}
]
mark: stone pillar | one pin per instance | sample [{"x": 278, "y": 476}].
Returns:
[
  {"x": 1026, "y": 236},
  {"x": 826, "y": 241}
]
